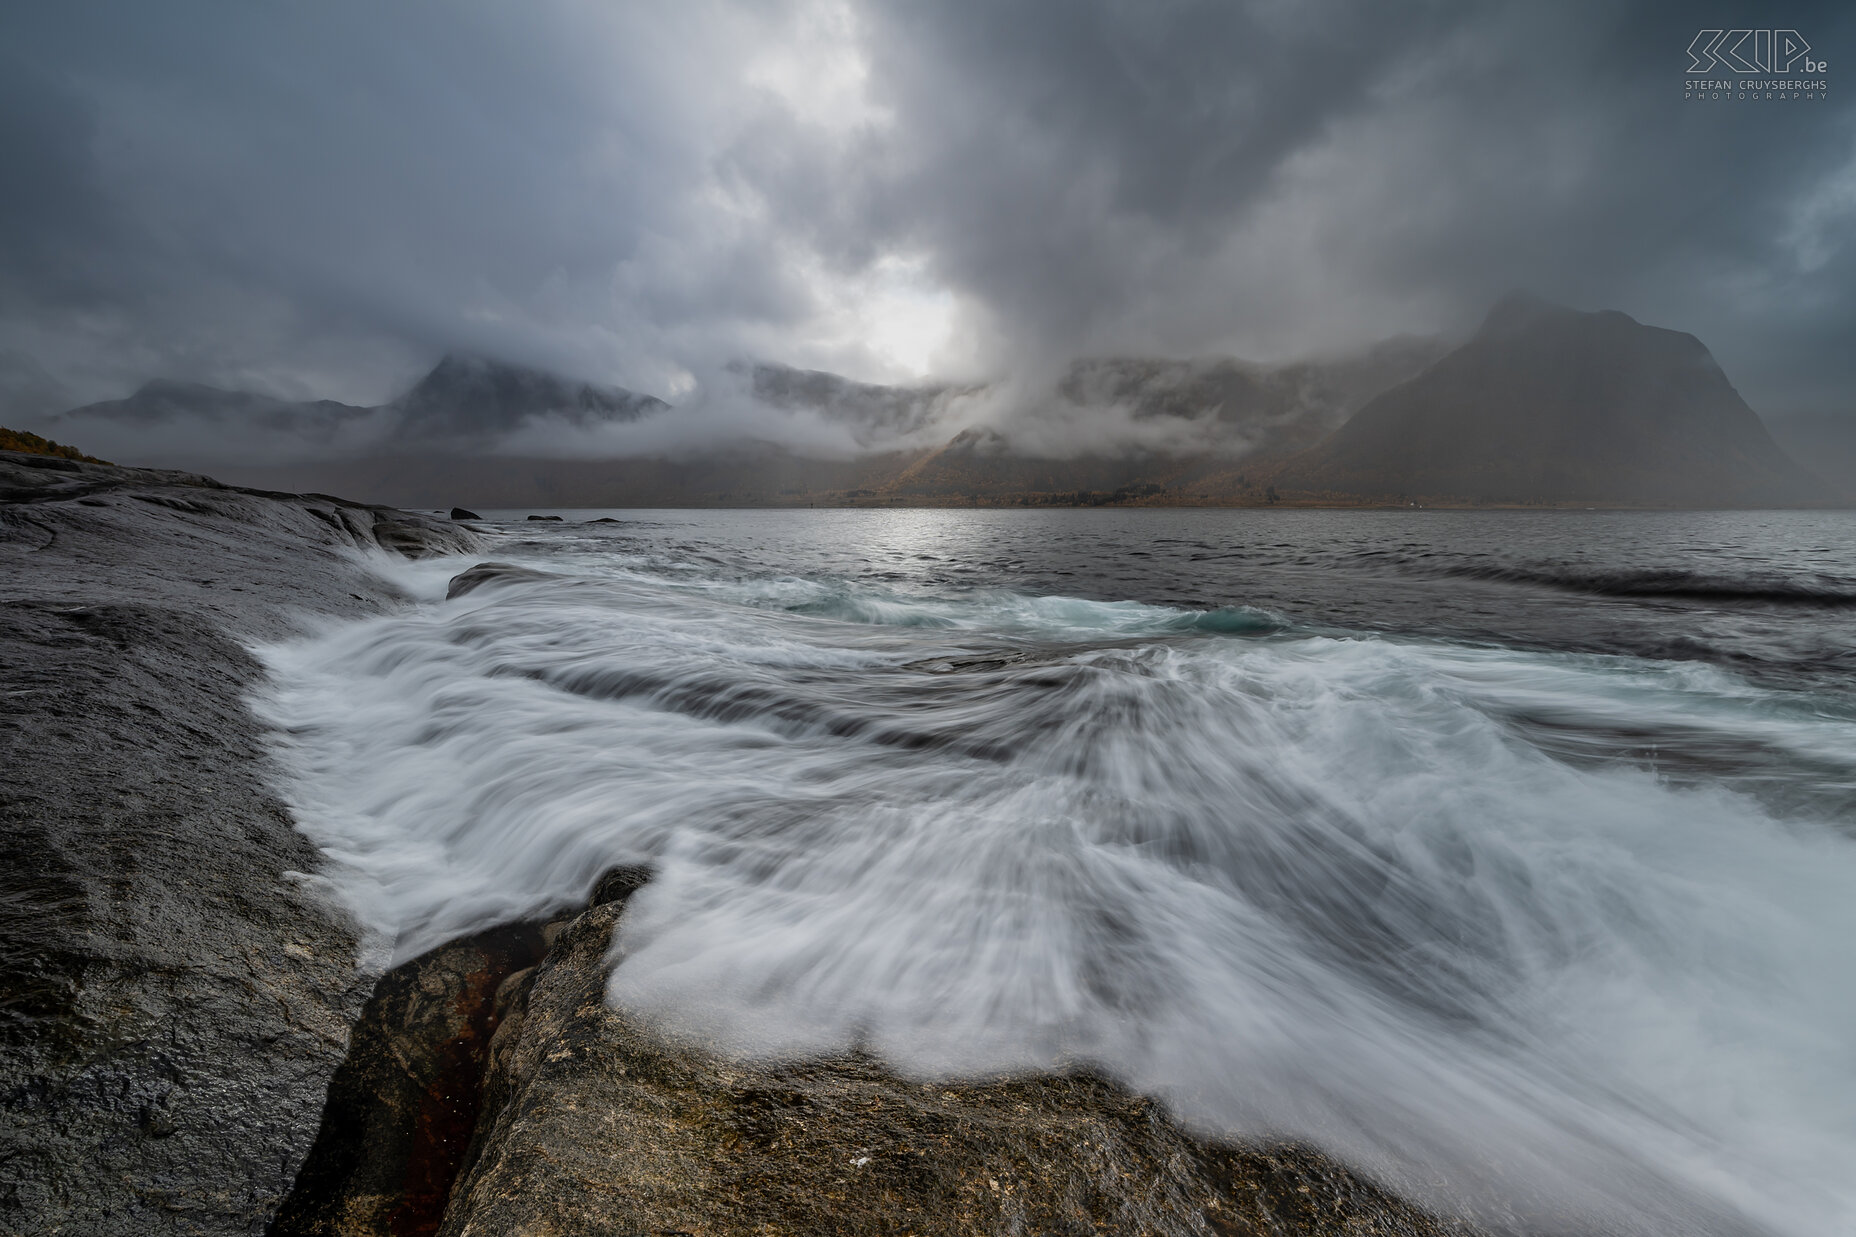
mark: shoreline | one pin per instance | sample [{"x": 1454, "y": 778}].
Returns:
[
  {"x": 183, "y": 1020},
  {"x": 173, "y": 1005}
]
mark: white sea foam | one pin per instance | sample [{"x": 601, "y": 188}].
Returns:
[{"x": 1428, "y": 905}]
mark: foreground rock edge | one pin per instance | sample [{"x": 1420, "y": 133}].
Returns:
[
  {"x": 592, "y": 1122},
  {"x": 172, "y": 1002}
]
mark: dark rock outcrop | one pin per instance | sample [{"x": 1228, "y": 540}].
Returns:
[
  {"x": 474, "y": 578},
  {"x": 589, "y": 1121},
  {"x": 594, "y": 1123},
  {"x": 173, "y": 1000},
  {"x": 464, "y": 513},
  {"x": 404, "y": 1104}
]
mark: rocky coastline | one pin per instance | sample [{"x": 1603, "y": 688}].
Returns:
[
  {"x": 171, "y": 1003},
  {"x": 190, "y": 1041}
]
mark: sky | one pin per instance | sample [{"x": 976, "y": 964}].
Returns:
[{"x": 321, "y": 200}]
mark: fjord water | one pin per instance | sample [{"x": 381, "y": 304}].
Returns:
[{"x": 1510, "y": 855}]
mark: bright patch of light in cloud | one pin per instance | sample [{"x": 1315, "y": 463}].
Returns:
[{"x": 906, "y": 320}]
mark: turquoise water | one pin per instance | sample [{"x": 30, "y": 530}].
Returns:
[{"x": 1506, "y": 854}]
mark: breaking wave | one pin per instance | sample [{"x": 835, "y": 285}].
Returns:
[
  {"x": 1563, "y": 940},
  {"x": 1763, "y": 589}
]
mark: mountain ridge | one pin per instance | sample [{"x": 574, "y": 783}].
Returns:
[
  {"x": 463, "y": 400},
  {"x": 1551, "y": 404},
  {"x": 1542, "y": 405}
]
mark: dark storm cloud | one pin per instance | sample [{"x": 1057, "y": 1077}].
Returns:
[
  {"x": 322, "y": 199},
  {"x": 279, "y": 185},
  {"x": 1176, "y": 177}
]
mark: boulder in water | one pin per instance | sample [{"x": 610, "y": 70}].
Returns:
[{"x": 490, "y": 573}]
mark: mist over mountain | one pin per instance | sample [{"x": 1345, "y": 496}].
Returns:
[
  {"x": 1825, "y": 443},
  {"x": 464, "y": 404},
  {"x": 161, "y": 400},
  {"x": 1242, "y": 407},
  {"x": 876, "y": 415},
  {"x": 165, "y": 423},
  {"x": 467, "y": 396},
  {"x": 1109, "y": 407},
  {"x": 641, "y": 194},
  {"x": 1544, "y": 404}
]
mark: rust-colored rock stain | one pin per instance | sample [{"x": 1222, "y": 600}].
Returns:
[{"x": 448, "y": 1110}]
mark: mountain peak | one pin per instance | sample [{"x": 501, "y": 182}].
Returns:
[
  {"x": 1551, "y": 404},
  {"x": 473, "y": 395},
  {"x": 1521, "y": 312}
]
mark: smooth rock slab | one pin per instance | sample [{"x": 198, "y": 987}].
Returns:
[
  {"x": 172, "y": 1005},
  {"x": 594, "y": 1124}
]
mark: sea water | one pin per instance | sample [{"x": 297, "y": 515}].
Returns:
[{"x": 1510, "y": 856}]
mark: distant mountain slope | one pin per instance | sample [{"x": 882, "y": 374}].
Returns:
[
  {"x": 465, "y": 403},
  {"x": 877, "y": 415},
  {"x": 1548, "y": 404},
  {"x": 163, "y": 400},
  {"x": 1257, "y": 409},
  {"x": 1237, "y": 417},
  {"x": 469, "y": 396},
  {"x": 1544, "y": 404}
]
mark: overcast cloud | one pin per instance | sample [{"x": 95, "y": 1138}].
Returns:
[{"x": 319, "y": 200}]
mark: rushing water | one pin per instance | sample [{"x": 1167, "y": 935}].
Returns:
[{"x": 1509, "y": 855}]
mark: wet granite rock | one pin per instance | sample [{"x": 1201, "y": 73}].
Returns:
[
  {"x": 464, "y": 513},
  {"x": 475, "y": 577},
  {"x": 173, "y": 1000},
  {"x": 404, "y": 1104},
  {"x": 592, "y": 1123}
]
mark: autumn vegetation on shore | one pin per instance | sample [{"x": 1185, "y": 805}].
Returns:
[{"x": 32, "y": 444}]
